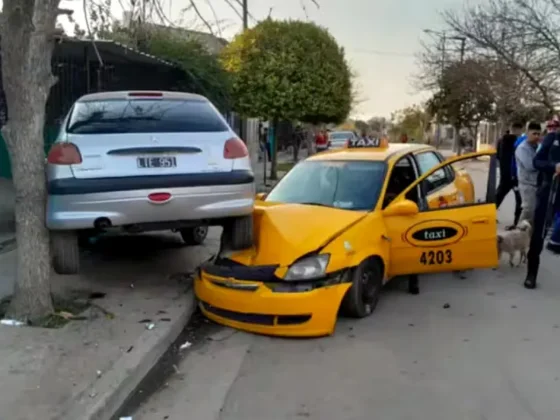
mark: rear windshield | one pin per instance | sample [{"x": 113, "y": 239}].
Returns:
[
  {"x": 340, "y": 136},
  {"x": 350, "y": 185},
  {"x": 144, "y": 116}
]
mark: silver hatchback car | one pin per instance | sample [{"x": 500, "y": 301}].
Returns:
[{"x": 143, "y": 161}]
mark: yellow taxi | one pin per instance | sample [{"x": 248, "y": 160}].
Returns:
[{"x": 340, "y": 225}]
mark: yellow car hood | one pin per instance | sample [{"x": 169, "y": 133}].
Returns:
[{"x": 285, "y": 232}]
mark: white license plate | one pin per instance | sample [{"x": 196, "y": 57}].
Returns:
[{"x": 157, "y": 162}]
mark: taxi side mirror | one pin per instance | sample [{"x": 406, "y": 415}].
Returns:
[
  {"x": 402, "y": 208},
  {"x": 260, "y": 196}
]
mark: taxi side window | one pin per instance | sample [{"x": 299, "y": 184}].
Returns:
[
  {"x": 438, "y": 179},
  {"x": 402, "y": 175}
]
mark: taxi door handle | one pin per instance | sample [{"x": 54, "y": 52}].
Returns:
[{"x": 479, "y": 220}]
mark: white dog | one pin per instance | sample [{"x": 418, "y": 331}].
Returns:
[{"x": 514, "y": 241}]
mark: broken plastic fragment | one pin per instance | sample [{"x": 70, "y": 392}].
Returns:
[
  {"x": 125, "y": 418},
  {"x": 12, "y": 322},
  {"x": 185, "y": 345},
  {"x": 150, "y": 326}
]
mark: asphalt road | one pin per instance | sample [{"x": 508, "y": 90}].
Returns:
[{"x": 479, "y": 348}]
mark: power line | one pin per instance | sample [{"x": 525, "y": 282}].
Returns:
[{"x": 384, "y": 53}]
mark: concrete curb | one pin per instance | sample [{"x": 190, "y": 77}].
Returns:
[{"x": 118, "y": 384}]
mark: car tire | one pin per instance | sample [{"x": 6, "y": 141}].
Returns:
[
  {"x": 65, "y": 252},
  {"x": 194, "y": 235},
  {"x": 238, "y": 233},
  {"x": 362, "y": 297}
]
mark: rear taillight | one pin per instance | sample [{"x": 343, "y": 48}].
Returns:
[
  {"x": 235, "y": 149},
  {"x": 64, "y": 154}
]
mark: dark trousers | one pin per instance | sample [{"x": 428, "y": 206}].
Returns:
[
  {"x": 538, "y": 235},
  {"x": 506, "y": 185}
]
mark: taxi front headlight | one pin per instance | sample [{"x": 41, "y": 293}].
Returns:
[{"x": 308, "y": 268}]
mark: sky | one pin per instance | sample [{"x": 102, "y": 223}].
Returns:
[{"x": 380, "y": 37}]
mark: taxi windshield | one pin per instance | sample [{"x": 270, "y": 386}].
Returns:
[{"x": 349, "y": 185}]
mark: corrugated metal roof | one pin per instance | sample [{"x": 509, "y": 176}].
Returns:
[{"x": 76, "y": 47}]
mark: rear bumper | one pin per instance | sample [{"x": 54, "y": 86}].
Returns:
[
  {"x": 80, "y": 186},
  {"x": 255, "y": 307},
  {"x": 74, "y": 211}
]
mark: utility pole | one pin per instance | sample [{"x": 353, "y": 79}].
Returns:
[
  {"x": 463, "y": 42},
  {"x": 245, "y": 15},
  {"x": 243, "y": 123}
]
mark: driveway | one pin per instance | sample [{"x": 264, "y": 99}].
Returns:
[{"x": 482, "y": 347}]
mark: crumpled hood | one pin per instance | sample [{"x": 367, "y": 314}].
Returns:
[{"x": 285, "y": 232}]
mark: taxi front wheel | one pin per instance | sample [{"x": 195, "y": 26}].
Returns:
[{"x": 367, "y": 282}]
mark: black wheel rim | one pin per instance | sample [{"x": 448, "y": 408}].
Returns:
[
  {"x": 370, "y": 288},
  {"x": 200, "y": 232}
]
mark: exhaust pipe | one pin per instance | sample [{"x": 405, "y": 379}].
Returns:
[{"x": 102, "y": 223}]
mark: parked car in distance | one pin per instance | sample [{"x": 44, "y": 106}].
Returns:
[
  {"x": 338, "y": 139},
  {"x": 145, "y": 161}
]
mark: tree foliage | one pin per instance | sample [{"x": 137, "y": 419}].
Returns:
[
  {"x": 465, "y": 98},
  {"x": 289, "y": 70},
  {"x": 204, "y": 71},
  {"x": 413, "y": 121},
  {"x": 523, "y": 38}
]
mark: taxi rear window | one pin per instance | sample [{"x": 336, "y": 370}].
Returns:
[{"x": 350, "y": 185}]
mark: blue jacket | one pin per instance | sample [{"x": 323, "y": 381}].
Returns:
[
  {"x": 519, "y": 140},
  {"x": 548, "y": 155}
]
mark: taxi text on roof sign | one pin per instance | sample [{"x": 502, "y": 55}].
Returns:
[{"x": 366, "y": 143}]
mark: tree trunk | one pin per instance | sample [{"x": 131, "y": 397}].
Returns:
[
  {"x": 27, "y": 42},
  {"x": 274, "y": 151}
]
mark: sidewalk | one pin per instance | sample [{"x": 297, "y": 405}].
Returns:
[
  {"x": 86, "y": 369},
  {"x": 258, "y": 169}
]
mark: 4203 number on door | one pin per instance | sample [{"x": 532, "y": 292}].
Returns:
[{"x": 436, "y": 257}]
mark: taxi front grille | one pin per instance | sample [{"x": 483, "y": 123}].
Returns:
[
  {"x": 227, "y": 268},
  {"x": 259, "y": 319}
]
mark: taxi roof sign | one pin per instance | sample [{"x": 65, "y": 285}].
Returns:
[{"x": 367, "y": 143}]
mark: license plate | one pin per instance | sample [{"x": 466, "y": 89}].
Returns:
[{"x": 157, "y": 162}]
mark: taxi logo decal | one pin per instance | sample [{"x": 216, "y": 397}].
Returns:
[{"x": 434, "y": 233}]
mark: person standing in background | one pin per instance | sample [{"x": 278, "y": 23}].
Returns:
[
  {"x": 554, "y": 242},
  {"x": 525, "y": 171},
  {"x": 547, "y": 162},
  {"x": 508, "y": 182}
]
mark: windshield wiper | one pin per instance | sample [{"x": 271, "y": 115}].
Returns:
[
  {"x": 79, "y": 124},
  {"x": 312, "y": 203}
]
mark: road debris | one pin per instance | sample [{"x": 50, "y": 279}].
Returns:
[
  {"x": 150, "y": 326},
  {"x": 12, "y": 323},
  {"x": 185, "y": 345}
]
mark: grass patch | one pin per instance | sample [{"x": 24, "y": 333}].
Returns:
[
  {"x": 284, "y": 166},
  {"x": 65, "y": 310}
]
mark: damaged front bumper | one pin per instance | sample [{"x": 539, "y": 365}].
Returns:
[{"x": 252, "y": 299}]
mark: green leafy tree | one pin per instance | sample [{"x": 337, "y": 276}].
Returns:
[
  {"x": 464, "y": 98},
  {"x": 204, "y": 71},
  {"x": 413, "y": 121},
  {"x": 289, "y": 70},
  {"x": 362, "y": 126}
]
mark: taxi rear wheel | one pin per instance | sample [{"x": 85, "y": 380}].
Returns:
[{"x": 367, "y": 282}]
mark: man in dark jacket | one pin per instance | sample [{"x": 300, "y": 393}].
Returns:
[
  {"x": 505, "y": 153},
  {"x": 547, "y": 162}
]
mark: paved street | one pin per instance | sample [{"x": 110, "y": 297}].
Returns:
[{"x": 476, "y": 348}]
